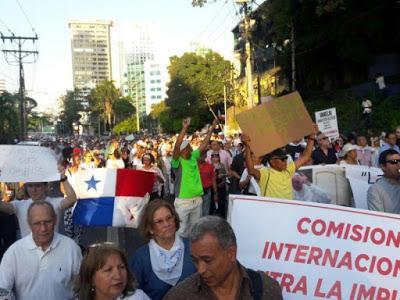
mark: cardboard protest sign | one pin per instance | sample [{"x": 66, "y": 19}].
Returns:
[
  {"x": 327, "y": 122},
  {"x": 27, "y": 164},
  {"x": 319, "y": 251},
  {"x": 276, "y": 123}
]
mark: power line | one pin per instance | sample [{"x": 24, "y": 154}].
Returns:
[
  {"x": 26, "y": 16},
  {"x": 213, "y": 19},
  {"x": 223, "y": 21},
  {"x": 5, "y": 25}
]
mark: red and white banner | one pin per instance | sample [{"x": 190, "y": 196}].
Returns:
[{"x": 319, "y": 251}]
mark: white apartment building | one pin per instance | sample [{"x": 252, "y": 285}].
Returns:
[
  {"x": 154, "y": 82},
  {"x": 142, "y": 76}
]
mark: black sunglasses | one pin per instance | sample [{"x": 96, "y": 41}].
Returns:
[
  {"x": 214, "y": 155},
  {"x": 393, "y": 161}
]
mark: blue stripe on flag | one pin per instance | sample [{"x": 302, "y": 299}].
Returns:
[{"x": 94, "y": 211}]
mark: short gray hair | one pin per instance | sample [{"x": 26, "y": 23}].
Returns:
[
  {"x": 215, "y": 226},
  {"x": 41, "y": 203}
]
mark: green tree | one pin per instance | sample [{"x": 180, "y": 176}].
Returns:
[
  {"x": 126, "y": 126},
  {"x": 197, "y": 84},
  {"x": 38, "y": 121},
  {"x": 335, "y": 40},
  {"x": 71, "y": 107},
  {"x": 161, "y": 112},
  {"x": 9, "y": 121},
  {"x": 101, "y": 101},
  {"x": 123, "y": 108}
]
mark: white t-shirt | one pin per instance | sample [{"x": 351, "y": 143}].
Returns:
[
  {"x": 36, "y": 274},
  {"x": 115, "y": 164},
  {"x": 21, "y": 211},
  {"x": 254, "y": 187}
]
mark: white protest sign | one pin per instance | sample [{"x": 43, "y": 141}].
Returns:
[
  {"x": 360, "y": 178},
  {"x": 27, "y": 164},
  {"x": 319, "y": 251},
  {"x": 327, "y": 122}
]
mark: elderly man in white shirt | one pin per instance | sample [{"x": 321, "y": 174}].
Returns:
[{"x": 43, "y": 264}]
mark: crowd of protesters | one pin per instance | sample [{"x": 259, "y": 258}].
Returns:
[{"x": 194, "y": 174}]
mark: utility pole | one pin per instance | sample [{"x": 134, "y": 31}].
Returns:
[
  {"x": 249, "y": 72},
  {"x": 19, "y": 55},
  {"x": 293, "y": 48},
  {"x": 225, "y": 110}
]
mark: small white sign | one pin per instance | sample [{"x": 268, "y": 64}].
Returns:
[
  {"x": 27, "y": 164},
  {"x": 327, "y": 122}
]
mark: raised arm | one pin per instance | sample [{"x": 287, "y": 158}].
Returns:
[
  {"x": 70, "y": 196},
  {"x": 179, "y": 140},
  {"x": 306, "y": 156},
  {"x": 249, "y": 159},
  {"x": 206, "y": 140}
]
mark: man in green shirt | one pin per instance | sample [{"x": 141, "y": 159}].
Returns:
[{"x": 188, "y": 187}]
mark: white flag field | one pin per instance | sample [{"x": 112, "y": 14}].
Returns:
[
  {"x": 27, "y": 164},
  {"x": 319, "y": 251}
]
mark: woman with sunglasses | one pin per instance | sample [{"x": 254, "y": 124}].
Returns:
[
  {"x": 104, "y": 275},
  {"x": 165, "y": 260}
]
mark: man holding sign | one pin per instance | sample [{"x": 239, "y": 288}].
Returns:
[
  {"x": 276, "y": 181},
  {"x": 38, "y": 191}
]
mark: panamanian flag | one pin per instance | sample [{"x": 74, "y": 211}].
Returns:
[{"x": 109, "y": 197}]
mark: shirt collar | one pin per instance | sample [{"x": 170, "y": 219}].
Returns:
[
  {"x": 244, "y": 276},
  {"x": 31, "y": 245}
]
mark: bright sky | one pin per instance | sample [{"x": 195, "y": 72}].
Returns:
[{"x": 51, "y": 76}]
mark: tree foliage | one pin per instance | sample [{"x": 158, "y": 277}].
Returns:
[
  {"x": 71, "y": 107},
  {"x": 335, "y": 40},
  {"x": 197, "y": 83},
  {"x": 128, "y": 125},
  {"x": 101, "y": 101},
  {"x": 9, "y": 120},
  {"x": 123, "y": 109}
]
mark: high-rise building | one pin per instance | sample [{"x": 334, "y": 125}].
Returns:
[
  {"x": 91, "y": 53},
  {"x": 154, "y": 82},
  {"x": 142, "y": 74}
]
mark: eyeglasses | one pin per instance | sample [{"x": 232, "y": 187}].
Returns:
[
  {"x": 324, "y": 138},
  {"x": 393, "y": 161},
  {"x": 46, "y": 223},
  {"x": 167, "y": 220},
  {"x": 214, "y": 155}
]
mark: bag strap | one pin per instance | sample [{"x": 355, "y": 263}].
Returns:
[{"x": 256, "y": 289}]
